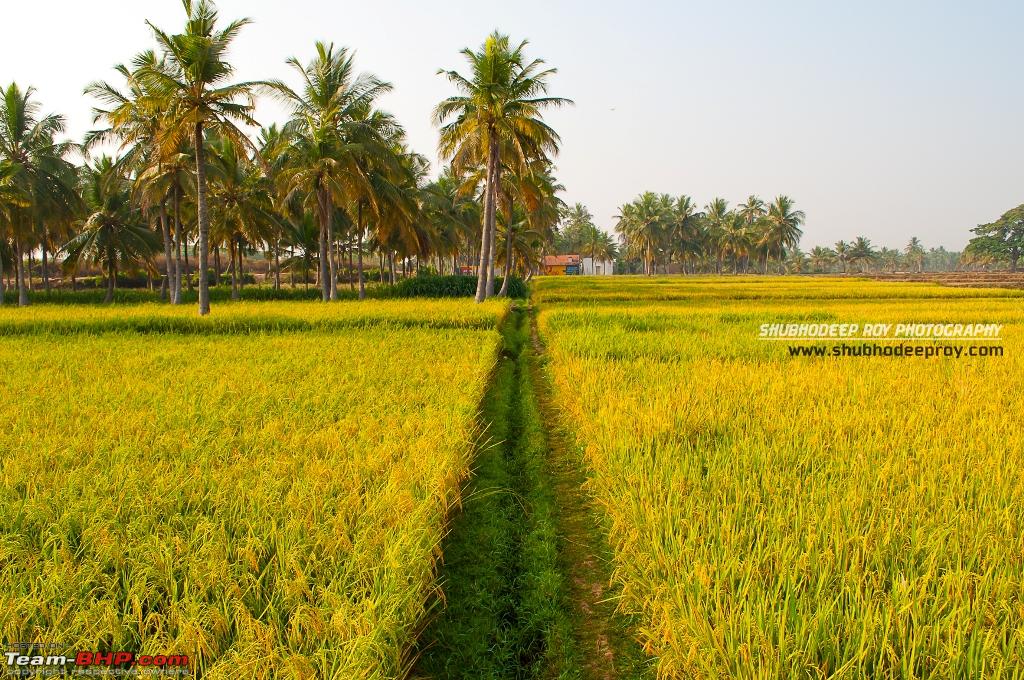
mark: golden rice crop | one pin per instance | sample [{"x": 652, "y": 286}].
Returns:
[
  {"x": 270, "y": 503},
  {"x": 778, "y": 517}
]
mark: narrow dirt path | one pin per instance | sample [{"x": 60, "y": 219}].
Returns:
[{"x": 525, "y": 568}]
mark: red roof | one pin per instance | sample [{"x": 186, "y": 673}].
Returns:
[{"x": 560, "y": 260}]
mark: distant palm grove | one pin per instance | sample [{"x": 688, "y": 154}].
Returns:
[{"x": 660, "y": 233}]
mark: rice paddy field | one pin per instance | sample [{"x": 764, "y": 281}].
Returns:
[
  {"x": 264, "y": 490},
  {"x": 799, "y": 517}
]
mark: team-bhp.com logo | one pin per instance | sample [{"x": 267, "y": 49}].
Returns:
[{"x": 28, "y": 660}]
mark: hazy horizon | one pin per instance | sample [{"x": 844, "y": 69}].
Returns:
[{"x": 887, "y": 122}]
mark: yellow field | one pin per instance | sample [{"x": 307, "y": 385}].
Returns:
[
  {"x": 778, "y": 517},
  {"x": 266, "y": 500}
]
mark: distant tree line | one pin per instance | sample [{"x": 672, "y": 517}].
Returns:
[{"x": 661, "y": 233}]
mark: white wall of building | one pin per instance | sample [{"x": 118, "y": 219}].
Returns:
[{"x": 598, "y": 267}]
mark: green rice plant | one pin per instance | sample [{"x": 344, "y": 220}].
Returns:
[{"x": 794, "y": 517}]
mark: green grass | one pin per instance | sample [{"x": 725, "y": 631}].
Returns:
[{"x": 504, "y": 612}]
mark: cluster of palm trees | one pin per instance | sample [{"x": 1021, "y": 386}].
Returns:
[
  {"x": 660, "y": 230},
  {"x": 861, "y": 256},
  {"x": 329, "y": 187},
  {"x": 577, "y": 234}
]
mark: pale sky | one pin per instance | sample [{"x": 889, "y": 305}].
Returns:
[{"x": 881, "y": 119}]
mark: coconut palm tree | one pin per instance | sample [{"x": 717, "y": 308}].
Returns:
[
  {"x": 452, "y": 213},
  {"x": 499, "y": 105},
  {"x": 113, "y": 231},
  {"x": 782, "y": 228},
  {"x": 642, "y": 225},
  {"x": 599, "y": 245},
  {"x": 863, "y": 253},
  {"x": 198, "y": 97},
  {"x": 11, "y": 202},
  {"x": 37, "y": 170},
  {"x": 843, "y": 252},
  {"x": 244, "y": 209},
  {"x": 684, "y": 230},
  {"x": 133, "y": 119},
  {"x": 337, "y": 137},
  {"x": 915, "y": 253},
  {"x": 821, "y": 258},
  {"x": 735, "y": 239},
  {"x": 717, "y": 219}
]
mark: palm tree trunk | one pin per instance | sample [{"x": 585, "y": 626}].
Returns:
[
  {"x": 203, "y": 218},
  {"x": 486, "y": 234},
  {"x": 168, "y": 284},
  {"x": 277, "y": 266},
  {"x": 216, "y": 265},
  {"x": 188, "y": 267},
  {"x": 324, "y": 268},
  {"x": 508, "y": 264},
  {"x": 351, "y": 265},
  {"x": 19, "y": 273},
  {"x": 178, "y": 268},
  {"x": 2, "y": 291},
  {"x": 359, "y": 251},
  {"x": 330, "y": 253},
  {"x": 46, "y": 262},
  {"x": 232, "y": 249},
  {"x": 491, "y": 259},
  {"x": 111, "y": 275},
  {"x": 241, "y": 263}
]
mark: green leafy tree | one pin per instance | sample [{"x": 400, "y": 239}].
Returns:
[{"x": 1002, "y": 239}]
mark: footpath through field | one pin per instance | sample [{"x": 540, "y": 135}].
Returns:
[{"x": 526, "y": 567}]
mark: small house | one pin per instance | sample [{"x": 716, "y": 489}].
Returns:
[
  {"x": 562, "y": 265},
  {"x": 595, "y": 267}
]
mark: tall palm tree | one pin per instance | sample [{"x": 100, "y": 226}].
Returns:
[
  {"x": 133, "y": 119},
  {"x": 821, "y": 258},
  {"x": 198, "y": 98},
  {"x": 37, "y": 170},
  {"x": 243, "y": 204},
  {"x": 782, "y": 228},
  {"x": 500, "y": 106},
  {"x": 863, "y": 253},
  {"x": 113, "y": 231},
  {"x": 335, "y": 138},
  {"x": 684, "y": 230},
  {"x": 718, "y": 217},
  {"x": 735, "y": 239},
  {"x": 535, "y": 188},
  {"x": 842, "y": 250},
  {"x": 11, "y": 201},
  {"x": 642, "y": 225},
  {"x": 915, "y": 253}
]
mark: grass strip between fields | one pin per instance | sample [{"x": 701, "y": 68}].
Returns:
[{"x": 504, "y": 611}]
